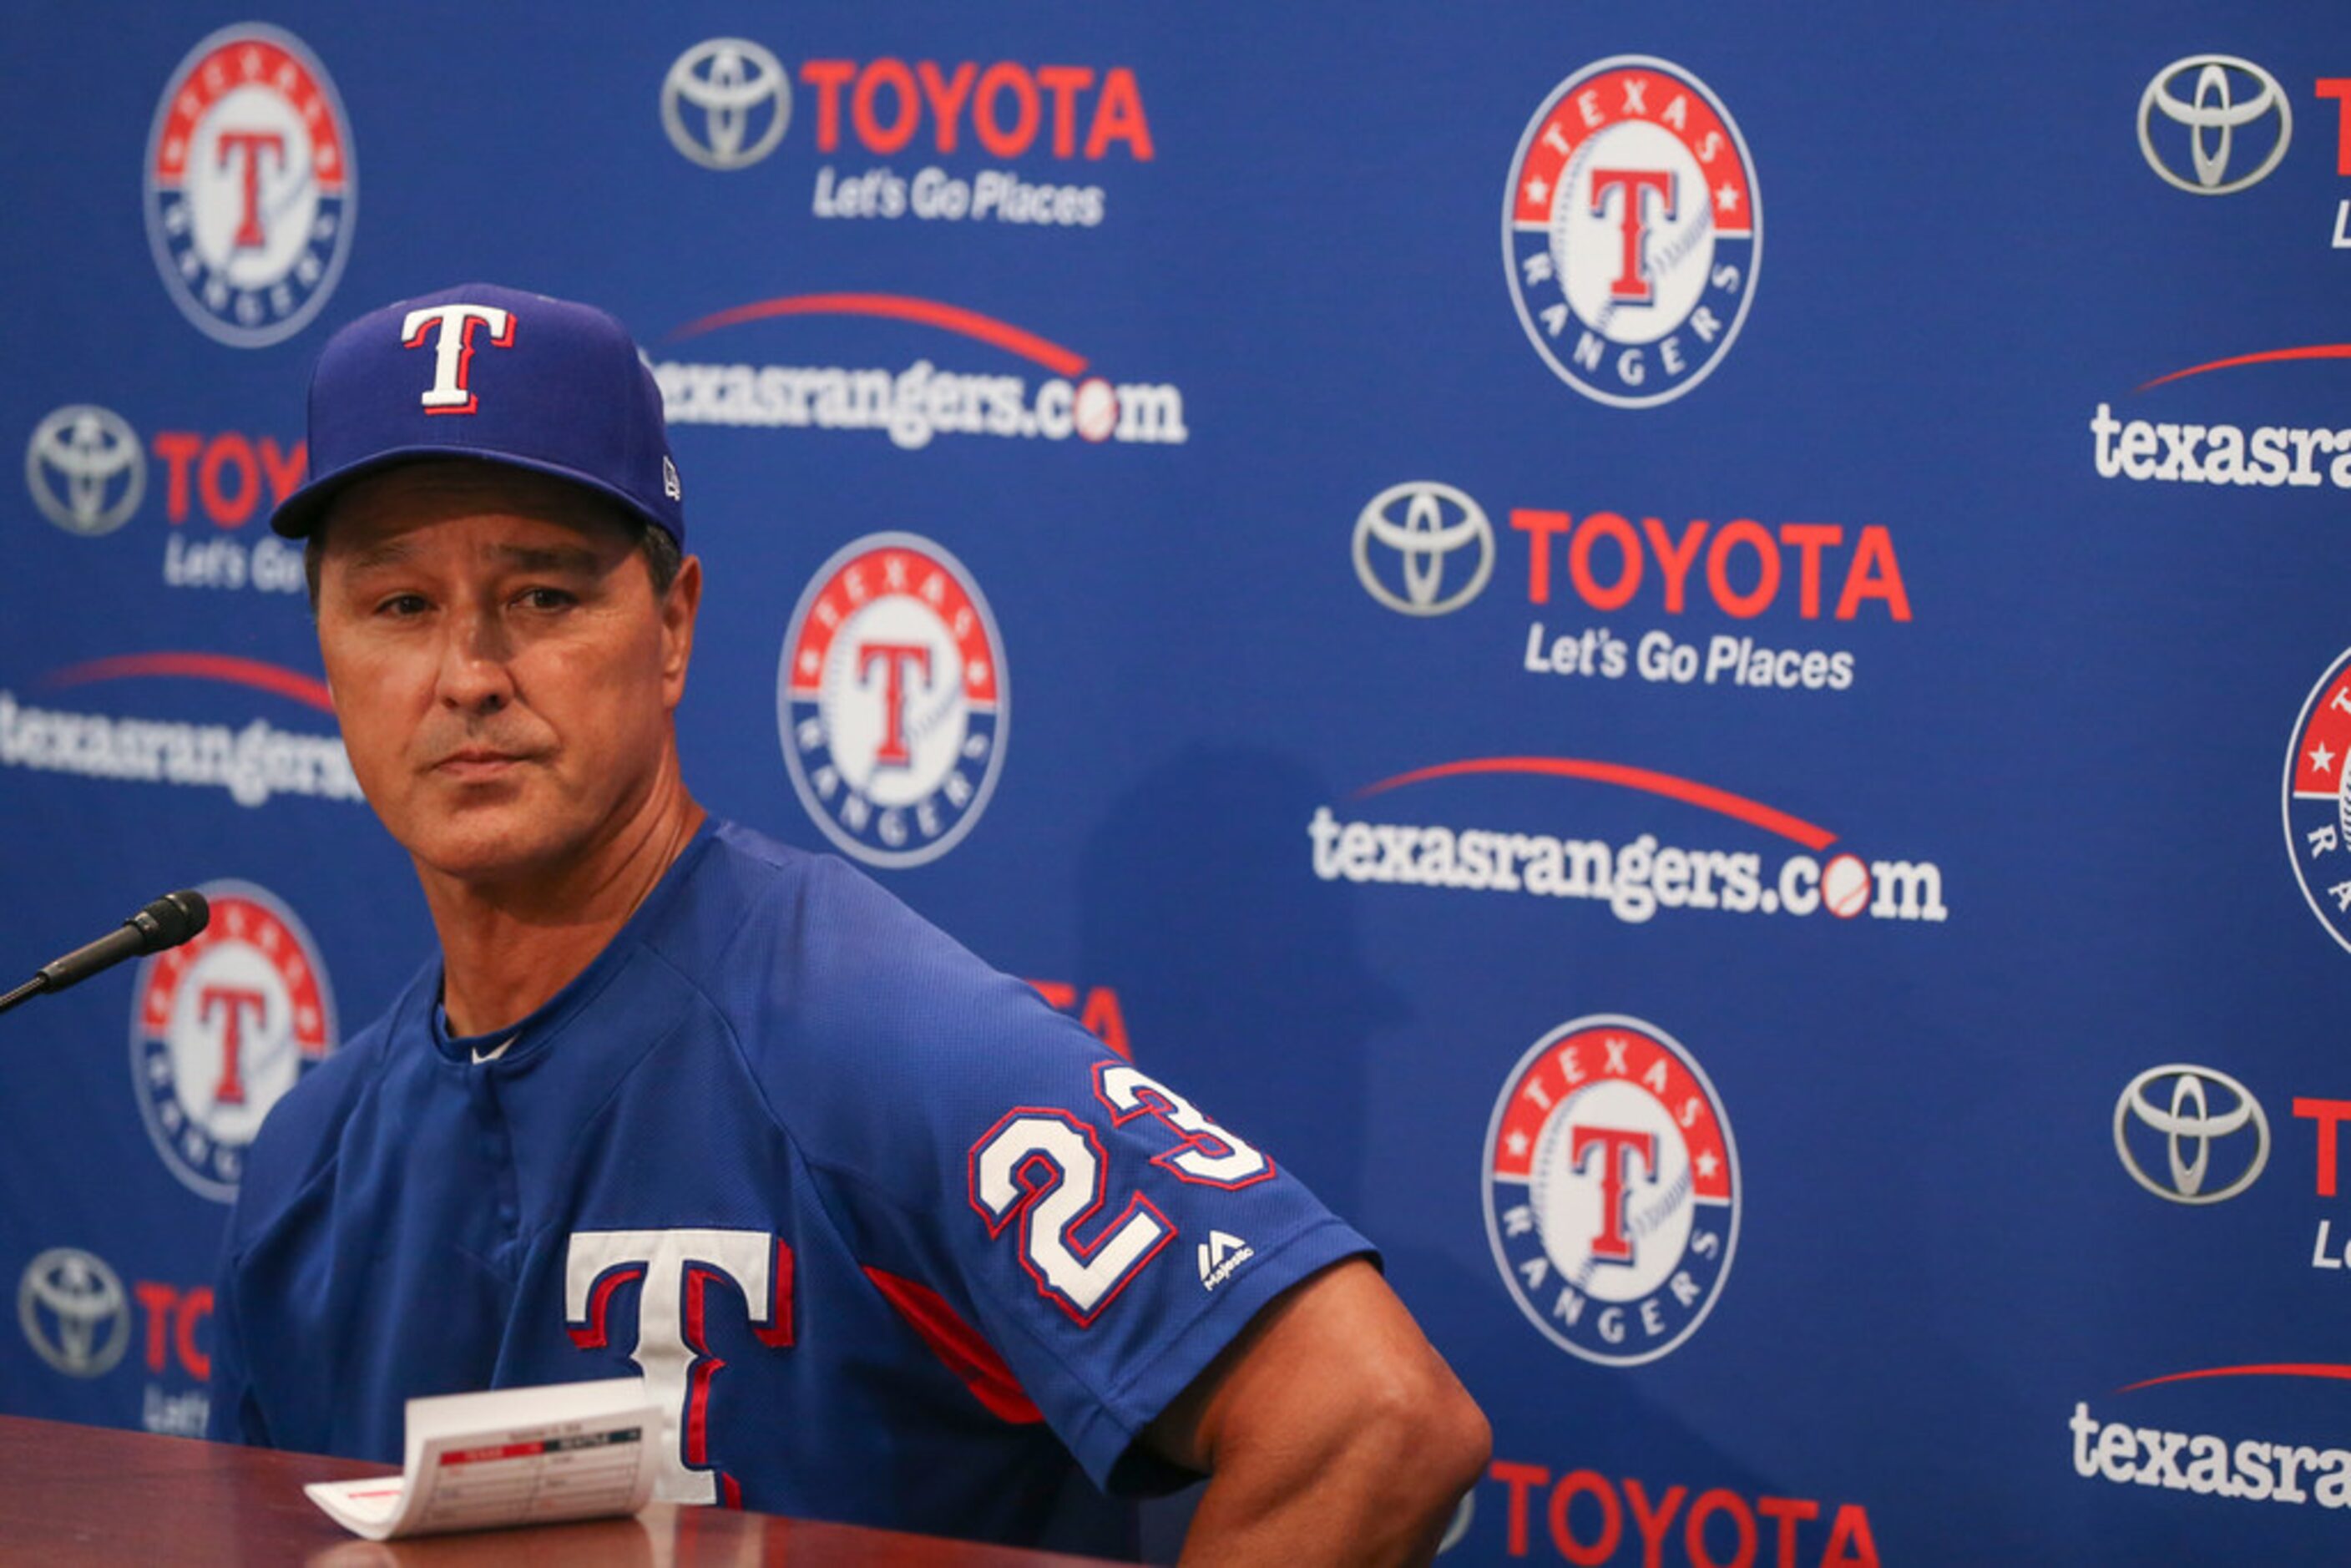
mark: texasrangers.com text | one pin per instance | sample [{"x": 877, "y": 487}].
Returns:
[
  {"x": 1636, "y": 880},
  {"x": 2173, "y": 453},
  {"x": 253, "y": 764},
  {"x": 920, "y": 402},
  {"x": 2254, "y": 1471}
]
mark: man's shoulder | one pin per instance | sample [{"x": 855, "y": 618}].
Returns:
[
  {"x": 806, "y": 929},
  {"x": 864, "y": 1020}
]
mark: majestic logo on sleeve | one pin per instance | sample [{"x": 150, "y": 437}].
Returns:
[
  {"x": 222, "y": 1026},
  {"x": 892, "y": 700},
  {"x": 1612, "y": 1190},
  {"x": 1631, "y": 231},
  {"x": 2318, "y": 799},
  {"x": 250, "y": 185}
]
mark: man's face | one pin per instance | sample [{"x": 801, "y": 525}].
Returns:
[{"x": 504, "y": 675}]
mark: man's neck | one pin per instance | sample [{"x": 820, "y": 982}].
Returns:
[{"x": 507, "y": 947}]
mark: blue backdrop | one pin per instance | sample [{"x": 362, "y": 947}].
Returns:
[{"x": 1767, "y": 818}]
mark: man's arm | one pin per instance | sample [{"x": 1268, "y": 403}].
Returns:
[{"x": 1330, "y": 1429}]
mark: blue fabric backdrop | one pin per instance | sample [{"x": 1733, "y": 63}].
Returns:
[{"x": 1464, "y": 594}]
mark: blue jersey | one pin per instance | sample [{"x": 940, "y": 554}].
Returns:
[{"x": 890, "y": 1240}]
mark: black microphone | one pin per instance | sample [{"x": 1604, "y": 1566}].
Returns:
[{"x": 166, "y": 922}]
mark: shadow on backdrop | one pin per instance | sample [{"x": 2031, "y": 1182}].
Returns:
[{"x": 1242, "y": 975}]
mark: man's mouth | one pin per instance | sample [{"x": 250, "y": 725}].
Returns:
[{"x": 474, "y": 764}]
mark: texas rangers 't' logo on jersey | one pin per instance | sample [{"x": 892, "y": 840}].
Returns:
[
  {"x": 892, "y": 700},
  {"x": 1612, "y": 1189},
  {"x": 221, "y": 1028},
  {"x": 1632, "y": 230},
  {"x": 250, "y": 185},
  {"x": 671, "y": 1272}
]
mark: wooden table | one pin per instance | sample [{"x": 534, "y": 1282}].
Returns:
[{"x": 72, "y": 1495}]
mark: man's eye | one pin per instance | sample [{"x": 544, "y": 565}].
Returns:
[
  {"x": 546, "y": 598},
  {"x": 402, "y": 605}
]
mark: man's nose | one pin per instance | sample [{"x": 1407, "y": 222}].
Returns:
[{"x": 475, "y": 677}]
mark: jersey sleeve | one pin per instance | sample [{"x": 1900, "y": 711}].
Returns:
[
  {"x": 1116, "y": 1238},
  {"x": 1103, "y": 1233},
  {"x": 233, "y": 1415}
]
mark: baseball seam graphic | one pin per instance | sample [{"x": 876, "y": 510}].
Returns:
[
  {"x": 1548, "y": 1148},
  {"x": 1665, "y": 249},
  {"x": 293, "y": 192},
  {"x": 2343, "y": 802},
  {"x": 947, "y": 675},
  {"x": 249, "y": 299},
  {"x": 1680, "y": 254},
  {"x": 1647, "y": 1221},
  {"x": 947, "y": 703},
  {"x": 1684, "y": 237},
  {"x": 935, "y": 715},
  {"x": 1543, "y": 1282},
  {"x": 1562, "y": 211}
]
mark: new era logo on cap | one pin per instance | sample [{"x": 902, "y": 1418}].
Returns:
[{"x": 538, "y": 382}]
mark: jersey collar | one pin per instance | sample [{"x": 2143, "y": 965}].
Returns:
[{"x": 520, "y": 1042}]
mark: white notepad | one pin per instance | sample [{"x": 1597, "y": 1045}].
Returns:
[{"x": 514, "y": 1456}]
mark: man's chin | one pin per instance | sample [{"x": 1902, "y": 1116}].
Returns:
[{"x": 491, "y": 849}]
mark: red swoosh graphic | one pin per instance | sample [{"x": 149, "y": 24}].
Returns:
[
  {"x": 1689, "y": 791},
  {"x": 252, "y": 673},
  {"x": 899, "y": 308},
  {"x": 2267, "y": 356},
  {"x": 2268, "y": 1369}
]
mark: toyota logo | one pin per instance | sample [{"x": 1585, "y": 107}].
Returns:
[
  {"x": 2193, "y": 1109},
  {"x": 2214, "y": 97},
  {"x": 73, "y": 1311},
  {"x": 84, "y": 469},
  {"x": 1423, "y": 526},
  {"x": 728, "y": 82}
]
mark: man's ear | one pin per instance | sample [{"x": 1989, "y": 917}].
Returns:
[{"x": 678, "y": 609}]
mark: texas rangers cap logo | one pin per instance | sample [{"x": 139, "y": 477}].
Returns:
[
  {"x": 2318, "y": 799},
  {"x": 251, "y": 190},
  {"x": 221, "y": 1028},
  {"x": 891, "y": 700},
  {"x": 1612, "y": 1189},
  {"x": 1631, "y": 231}
]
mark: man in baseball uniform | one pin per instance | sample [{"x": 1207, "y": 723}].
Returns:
[{"x": 889, "y": 1241}]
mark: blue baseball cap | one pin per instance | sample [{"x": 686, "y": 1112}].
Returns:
[{"x": 495, "y": 374}]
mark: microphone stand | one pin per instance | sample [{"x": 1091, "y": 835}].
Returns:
[{"x": 166, "y": 922}]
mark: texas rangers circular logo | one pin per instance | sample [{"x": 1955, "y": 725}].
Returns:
[
  {"x": 892, "y": 700},
  {"x": 2318, "y": 799},
  {"x": 221, "y": 1028},
  {"x": 1612, "y": 1189},
  {"x": 1632, "y": 230},
  {"x": 251, "y": 190}
]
